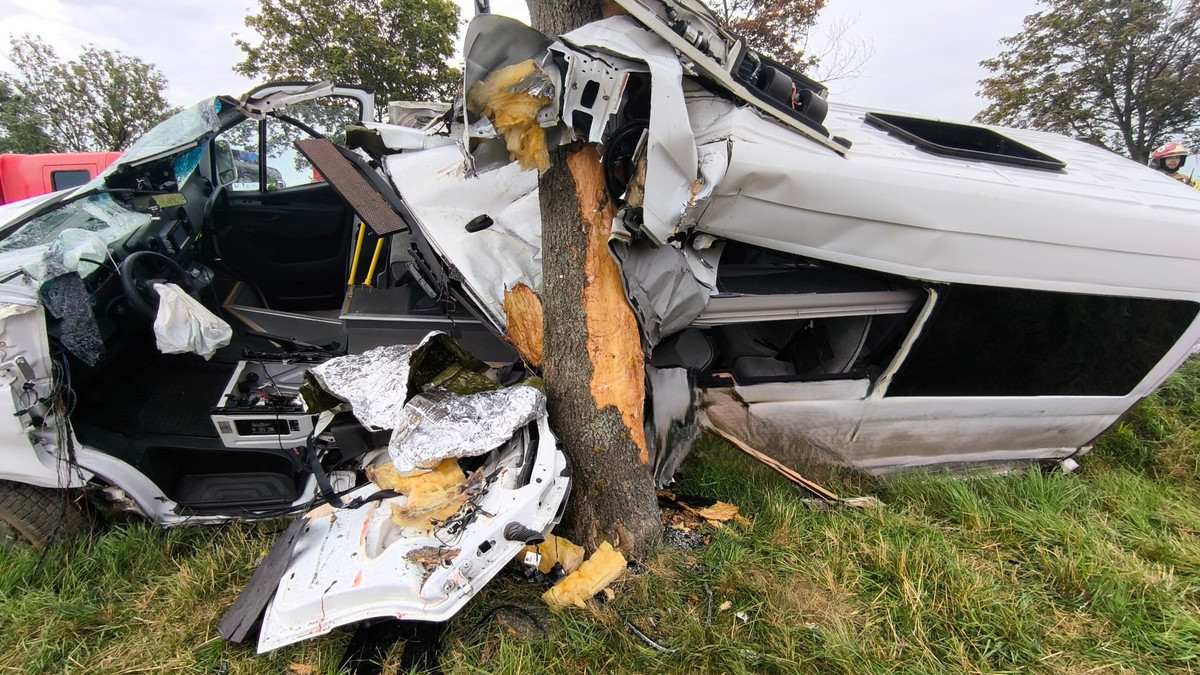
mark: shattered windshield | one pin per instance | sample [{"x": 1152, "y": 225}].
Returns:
[
  {"x": 183, "y": 128},
  {"x": 78, "y": 235}
]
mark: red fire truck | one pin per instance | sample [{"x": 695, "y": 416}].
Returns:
[{"x": 24, "y": 176}]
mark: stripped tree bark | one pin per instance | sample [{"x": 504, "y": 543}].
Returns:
[{"x": 591, "y": 352}]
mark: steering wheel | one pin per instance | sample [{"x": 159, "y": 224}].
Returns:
[
  {"x": 210, "y": 205},
  {"x": 141, "y": 270}
]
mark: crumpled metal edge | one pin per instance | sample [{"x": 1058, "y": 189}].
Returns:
[
  {"x": 439, "y": 424},
  {"x": 374, "y": 383}
]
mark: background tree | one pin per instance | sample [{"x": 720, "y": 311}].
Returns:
[
  {"x": 399, "y": 47},
  {"x": 1118, "y": 73},
  {"x": 103, "y": 100},
  {"x": 20, "y": 129},
  {"x": 777, "y": 28}
]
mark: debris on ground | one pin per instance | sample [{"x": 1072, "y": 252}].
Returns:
[
  {"x": 555, "y": 550},
  {"x": 809, "y": 486},
  {"x": 520, "y": 622},
  {"x": 725, "y": 606},
  {"x": 824, "y": 497},
  {"x": 597, "y": 572},
  {"x": 682, "y": 538},
  {"x": 646, "y": 639},
  {"x": 866, "y": 502},
  {"x": 687, "y": 512}
]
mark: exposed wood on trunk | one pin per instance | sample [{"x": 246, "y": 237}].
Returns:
[
  {"x": 613, "y": 496},
  {"x": 592, "y": 361},
  {"x": 523, "y": 317},
  {"x": 614, "y": 343}
]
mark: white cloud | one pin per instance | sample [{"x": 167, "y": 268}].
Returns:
[{"x": 926, "y": 55}]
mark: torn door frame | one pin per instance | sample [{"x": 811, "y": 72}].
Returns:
[{"x": 259, "y": 102}]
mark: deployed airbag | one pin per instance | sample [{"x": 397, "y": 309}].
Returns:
[{"x": 185, "y": 325}]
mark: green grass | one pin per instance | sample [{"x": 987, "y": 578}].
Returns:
[{"x": 1029, "y": 572}]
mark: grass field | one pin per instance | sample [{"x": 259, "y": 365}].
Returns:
[{"x": 1093, "y": 572}]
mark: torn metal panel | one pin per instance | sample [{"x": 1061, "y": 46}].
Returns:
[
  {"x": 421, "y": 115},
  {"x": 443, "y": 200},
  {"x": 374, "y": 383},
  {"x": 661, "y": 288},
  {"x": 439, "y": 424},
  {"x": 261, "y": 101},
  {"x": 714, "y": 162},
  {"x": 355, "y": 564},
  {"x": 693, "y": 30},
  {"x": 405, "y": 138},
  {"x": 674, "y": 404},
  {"x": 492, "y": 43},
  {"x": 594, "y": 89},
  {"x": 671, "y": 151}
]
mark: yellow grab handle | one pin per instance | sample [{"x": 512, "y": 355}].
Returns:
[
  {"x": 362, "y": 231},
  {"x": 374, "y": 261}
]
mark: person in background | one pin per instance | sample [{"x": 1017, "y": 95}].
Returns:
[{"x": 1169, "y": 158}]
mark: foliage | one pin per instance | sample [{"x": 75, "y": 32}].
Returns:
[
  {"x": 20, "y": 130},
  {"x": 1025, "y": 572},
  {"x": 1118, "y": 73},
  {"x": 777, "y": 28},
  {"x": 103, "y": 100},
  {"x": 399, "y": 47}
]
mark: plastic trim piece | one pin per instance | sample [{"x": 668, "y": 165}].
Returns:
[{"x": 1008, "y": 151}]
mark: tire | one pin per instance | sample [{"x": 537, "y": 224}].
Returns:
[{"x": 32, "y": 516}]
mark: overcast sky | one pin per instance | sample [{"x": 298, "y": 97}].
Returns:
[{"x": 926, "y": 55}]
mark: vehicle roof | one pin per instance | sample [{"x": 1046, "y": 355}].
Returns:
[{"x": 1104, "y": 224}]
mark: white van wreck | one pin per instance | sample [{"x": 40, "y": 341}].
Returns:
[{"x": 196, "y": 341}]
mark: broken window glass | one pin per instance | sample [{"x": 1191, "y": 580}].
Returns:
[
  {"x": 78, "y": 234},
  {"x": 984, "y": 341},
  {"x": 187, "y": 127}
]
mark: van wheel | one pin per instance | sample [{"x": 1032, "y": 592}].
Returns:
[{"x": 32, "y": 516}]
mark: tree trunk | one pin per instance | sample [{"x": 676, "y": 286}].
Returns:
[
  {"x": 592, "y": 358},
  {"x": 592, "y": 361},
  {"x": 555, "y": 17}
]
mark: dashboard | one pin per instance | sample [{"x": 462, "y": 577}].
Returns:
[{"x": 174, "y": 231}]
